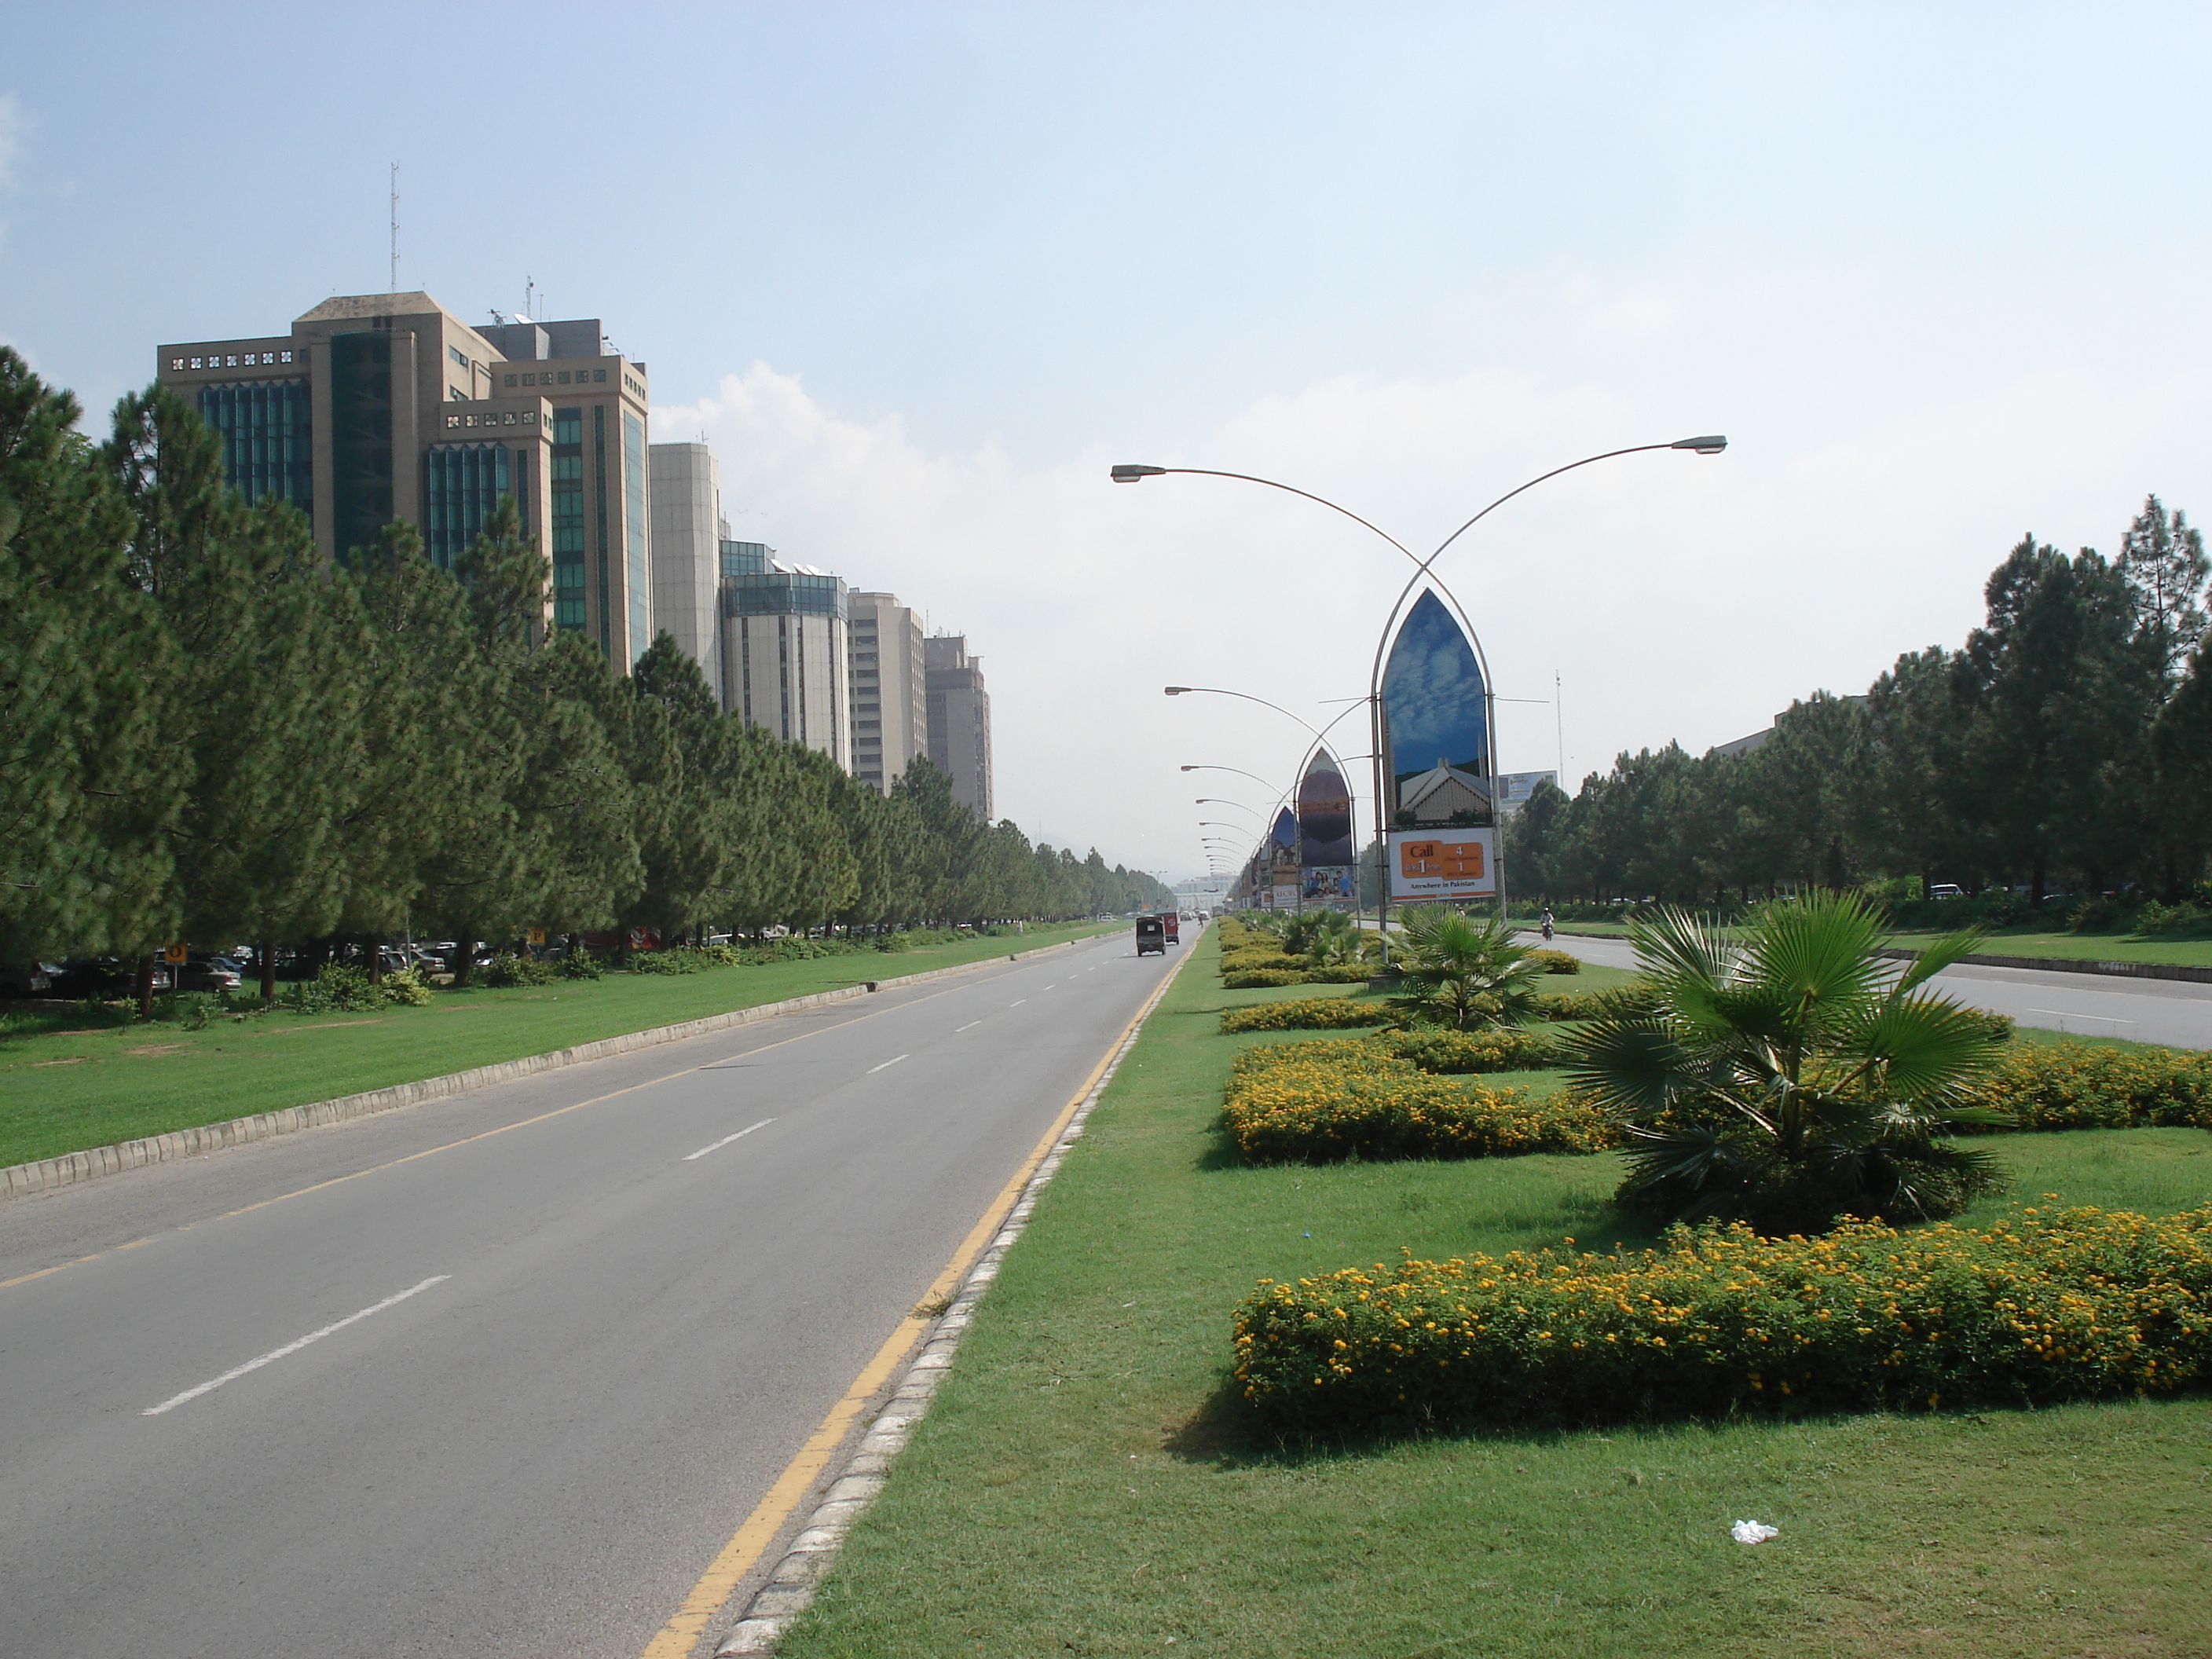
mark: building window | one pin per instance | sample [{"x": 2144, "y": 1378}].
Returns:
[
  {"x": 531, "y": 379},
  {"x": 196, "y": 363},
  {"x": 264, "y": 428},
  {"x": 453, "y": 421},
  {"x": 459, "y": 360},
  {"x": 176, "y": 363},
  {"x": 283, "y": 356},
  {"x": 641, "y": 588},
  {"x": 568, "y": 519},
  {"x": 455, "y": 395},
  {"x": 510, "y": 379},
  {"x": 598, "y": 374},
  {"x": 461, "y": 483}
]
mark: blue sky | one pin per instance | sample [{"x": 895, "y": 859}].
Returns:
[{"x": 921, "y": 272}]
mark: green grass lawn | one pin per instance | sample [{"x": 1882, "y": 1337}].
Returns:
[
  {"x": 63, "y": 1091},
  {"x": 2018, "y": 942},
  {"x": 1086, "y": 1485}
]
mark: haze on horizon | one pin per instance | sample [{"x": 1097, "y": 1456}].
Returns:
[{"x": 922, "y": 273}]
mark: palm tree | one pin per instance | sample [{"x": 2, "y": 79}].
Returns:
[
  {"x": 1791, "y": 1074},
  {"x": 1462, "y": 971}
]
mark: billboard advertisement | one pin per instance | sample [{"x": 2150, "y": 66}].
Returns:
[
  {"x": 1285, "y": 896},
  {"x": 1436, "y": 724},
  {"x": 1327, "y": 884},
  {"x": 1442, "y": 865},
  {"x": 1324, "y": 814}
]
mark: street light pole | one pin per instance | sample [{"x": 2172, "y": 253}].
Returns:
[{"x": 1710, "y": 444}]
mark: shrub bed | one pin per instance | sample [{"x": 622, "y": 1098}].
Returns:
[
  {"x": 2048, "y": 1306},
  {"x": 1310, "y": 1014},
  {"x": 1321, "y": 1102},
  {"x": 1433, "y": 1049},
  {"x": 2082, "y": 1085},
  {"x": 1557, "y": 961},
  {"x": 1257, "y": 979}
]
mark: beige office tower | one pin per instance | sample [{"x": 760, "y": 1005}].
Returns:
[
  {"x": 377, "y": 407},
  {"x": 784, "y": 650},
  {"x": 891, "y": 709},
  {"x": 959, "y": 719},
  {"x": 686, "y": 488}
]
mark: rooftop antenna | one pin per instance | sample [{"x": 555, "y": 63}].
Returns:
[
  {"x": 530, "y": 298},
  {"x": 395, "y": 226}
]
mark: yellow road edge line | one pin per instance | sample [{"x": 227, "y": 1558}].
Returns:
[
  {"x": 520, "y": 1123},
  {"x": 676, "y": 1638}
]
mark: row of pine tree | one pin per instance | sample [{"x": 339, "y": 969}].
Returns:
[
  {"x": 2065, "y": 747},
  {"x": 210, "y": 734}
]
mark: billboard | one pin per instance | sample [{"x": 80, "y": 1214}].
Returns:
[
  {"x": 1285, "y": 896},
  {"x": 1444, "y": 865},
  {"x": 1435, "y": 723},
  {"x": 1324, "y": 814},
  {"x": 1327, "y": 884}
]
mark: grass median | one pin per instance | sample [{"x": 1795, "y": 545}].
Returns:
[
  {"x": 2014, "y": 942},
  {"x": 63, "y": 1091},
  {"x": 1087, "y": 1484}
]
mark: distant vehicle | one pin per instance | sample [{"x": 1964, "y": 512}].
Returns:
[
  {"x": 26, "y": 979},
  {"x": 208, "y": 973},
  {"x": 1947, "y": 889},
  {"x": 1151, "y": 936},
  {"x": 101, "y": 976},
  {"x": 1172, "y": 925}
]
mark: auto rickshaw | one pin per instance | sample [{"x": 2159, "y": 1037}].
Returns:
[{"x": 1151, "y": 937}]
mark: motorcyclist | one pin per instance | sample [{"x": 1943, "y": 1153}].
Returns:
[{"x": 1546, "y": 921}]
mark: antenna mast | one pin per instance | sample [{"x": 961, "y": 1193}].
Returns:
[{"x": 395, "y": 226}]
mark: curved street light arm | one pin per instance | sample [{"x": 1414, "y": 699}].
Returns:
[
  {"x": 1217, "y": 691},
  {"x": 1290, "y": 489}
]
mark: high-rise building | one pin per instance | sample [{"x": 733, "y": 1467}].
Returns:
[
  {"x": 891, "y": 714},
  {"x": 959, "y": 719},
  {"x": 377, "y": 407},
  {"x": 784, "y": 652},
  {"x": 686, "y": 488}
]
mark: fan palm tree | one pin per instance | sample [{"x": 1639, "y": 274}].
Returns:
[
  {"x": 1790, "y": 1074},
  {"x": 1463, "y": 971}
]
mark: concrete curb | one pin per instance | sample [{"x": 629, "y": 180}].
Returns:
[
  {"x": 791, "y": 1588},
  {"x": 2173, "y": 970},
  {"x": 43, "y": 1175}
]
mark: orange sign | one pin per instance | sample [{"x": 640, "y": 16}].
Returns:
[
  {"x": 176, "y": 952},
  {"x": 1449, "y": 860}
]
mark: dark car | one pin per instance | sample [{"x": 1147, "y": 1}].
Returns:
[
  {"x": 101, "y": 976},
  {"x": 28, "y": 979},
  {"x": 1151, "y": 937}
]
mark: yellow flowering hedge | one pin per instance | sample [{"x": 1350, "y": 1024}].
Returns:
[
  {"x": 1320, "y": 1102},
  {"x": 1267, "y": 956},
  {"x": 1309, "y": 1014},
  {"x": 2049, "y": 1305},
  {"x": 2083, "y": 1086}
]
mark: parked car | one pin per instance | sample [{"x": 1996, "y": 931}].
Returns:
[
  {"x": 101, "y": 976},
  {"x": 28, "y": 979},
  {"x": 1947, "y": 889},
  {"x": 210, "y": 973}
]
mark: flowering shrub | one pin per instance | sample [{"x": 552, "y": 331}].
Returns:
[
  {"x": 1242, "y": 961},
  {"x": 1318, "y": 1103},
  {"x": 1630, "y": 998},
  {"x": 2047, "y": 1306},
  {"x": 1435, "y": 1049},
  {"x": 1557, "y": 961},
  {"x": 1259, "y": 978},
  {"x": 2083, "y": 1086},
  {"x": 1309, "y": 1014}
]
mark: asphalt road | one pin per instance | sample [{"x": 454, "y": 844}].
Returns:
[
  {"x": 2143, "y": 1010},
  {"x": 500, "y": 1375}
]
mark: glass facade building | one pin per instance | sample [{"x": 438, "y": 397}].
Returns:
[
  {"x": 566, "y": 519},
  {"x": 461, "y": 484},
  {"x": 360, "y": 440}
]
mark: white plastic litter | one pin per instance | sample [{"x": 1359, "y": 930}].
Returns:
[{"x": 1754, "y": 1532}]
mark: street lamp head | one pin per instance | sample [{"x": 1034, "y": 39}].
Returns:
[
  {"x": 1177, "y": 691},
  {"x": 1128, "y": 472},
  {"x": 1710, "y": 445}
]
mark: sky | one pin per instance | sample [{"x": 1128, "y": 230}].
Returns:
[{"x": 922, "y": 273}]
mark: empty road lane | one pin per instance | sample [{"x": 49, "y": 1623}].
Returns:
[{"x": 500, "y": 1375}]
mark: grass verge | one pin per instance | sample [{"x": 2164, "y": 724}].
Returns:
[
  {"x": 1085, "y": 1483},
  {"x": 63, "y": 1091},
  {"x": 2019, "y": 942}
]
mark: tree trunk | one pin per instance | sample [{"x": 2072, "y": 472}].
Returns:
[
  {"x": 374, "y": 946},
  {"x": 267, "y": 971},
  {"x": 145, "y": 986},
  {"x": 467, "y": 958}
]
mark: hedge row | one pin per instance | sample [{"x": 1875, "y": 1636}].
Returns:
[
  {"x": 2082, "y": 1085},
  {"x": 2049, "y": 1306},
  {"x": 1253, "y": 979},
  {"x": 1310, "y": 1014},
  {"x": 1321, "y": 1102}
]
